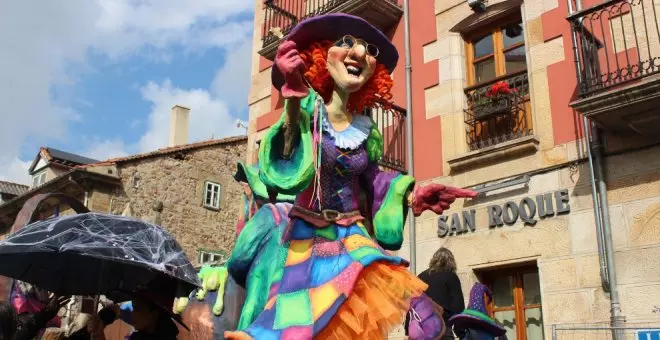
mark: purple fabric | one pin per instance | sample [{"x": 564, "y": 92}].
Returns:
[
  {"x": 334, "y": 26},
  {"x": 477, "y": 303},
  {"x": 424, "y": 323},
  {"x": 378, "y": 183},
  {"x": 340, "y": 171},
  {"x": 477, "y": 297}
]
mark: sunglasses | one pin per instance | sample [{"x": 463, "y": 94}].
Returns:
[{"x": 348, "y": 42}]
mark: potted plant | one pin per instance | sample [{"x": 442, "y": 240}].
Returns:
[{"x": 497, "y": 99}]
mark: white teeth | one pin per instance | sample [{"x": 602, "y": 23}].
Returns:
[{"x": 352, "y": 69}]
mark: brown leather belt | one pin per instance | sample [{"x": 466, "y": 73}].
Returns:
[{"x": 326, "y": 217}]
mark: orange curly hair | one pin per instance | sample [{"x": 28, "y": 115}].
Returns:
[{"x": 375, "y": 91}]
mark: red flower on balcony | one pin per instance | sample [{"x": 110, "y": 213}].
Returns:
[{"x": 498, "y": 89}]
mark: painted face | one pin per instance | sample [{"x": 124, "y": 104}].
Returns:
[{"x": 351, "y": 63}]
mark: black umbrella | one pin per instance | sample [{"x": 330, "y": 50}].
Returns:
[{"x": 92, "y": 254}]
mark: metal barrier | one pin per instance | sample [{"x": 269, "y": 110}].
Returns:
[
  {"x": 638, "y": 331},
  {"x": 498, "y": 111},
  {"x": 618, "y": 42},
  {"x": 392, "y": 125}
]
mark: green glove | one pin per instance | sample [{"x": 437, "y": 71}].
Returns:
[{"x": 213, "y": 279}]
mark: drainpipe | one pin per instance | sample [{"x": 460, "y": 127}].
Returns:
[
  {"x": 595, "y": 148},
  {"x": 615, "y": 305},
  {"x": 598, "y": 217},
  {"x": 409, "y": 129}
]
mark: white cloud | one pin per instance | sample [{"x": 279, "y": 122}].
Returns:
[
  {"x": 16, "y": 171},
  {"x": 209, "y": 116},
  {"x": 105, "y": 149},
  {"x": 46, "y": 45},
  {"x": 232, "y": 81}
]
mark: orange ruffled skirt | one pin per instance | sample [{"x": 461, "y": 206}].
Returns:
[{"x": 378, "y": 303}]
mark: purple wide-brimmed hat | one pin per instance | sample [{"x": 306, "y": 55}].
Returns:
[
  {"x": 333, "y": 27},
  {"x": 475, "y": 315}
]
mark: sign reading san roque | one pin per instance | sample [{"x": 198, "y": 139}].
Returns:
[{"x": 529, "y": 210}]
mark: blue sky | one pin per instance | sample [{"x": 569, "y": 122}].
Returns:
[{"x": 98, "y": 77}]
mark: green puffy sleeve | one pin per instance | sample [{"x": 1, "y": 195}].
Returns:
[
  {"x": 387, "y": 192},
  {"x": 289, "y": 176}
]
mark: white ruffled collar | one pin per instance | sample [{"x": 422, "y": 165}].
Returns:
[{"x": 353, "y": 136}]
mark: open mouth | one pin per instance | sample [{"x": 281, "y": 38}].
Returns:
[{"x": 353, "y": 70}]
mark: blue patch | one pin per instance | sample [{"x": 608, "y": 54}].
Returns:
[
  {"x": 295, "y": 277},
  {"x": 323, "y": 321},
  {"x": 261, "y": 333},
  {"x": 356, "y": 230},
  {"x": 301, "y": 231},
  {"x": 325, "y": 269}
]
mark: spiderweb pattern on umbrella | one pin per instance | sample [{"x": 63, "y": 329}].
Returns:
[{"x": 122, "y": 253}]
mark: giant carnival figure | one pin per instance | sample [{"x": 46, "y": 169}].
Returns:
[{"x": 321, "y": 268}]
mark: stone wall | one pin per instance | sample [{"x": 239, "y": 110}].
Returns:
[{"x": 178, "y": 183}]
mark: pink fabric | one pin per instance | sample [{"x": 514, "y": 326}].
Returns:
[{"x": 291, "y": 66}]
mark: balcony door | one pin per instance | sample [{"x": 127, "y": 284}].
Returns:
[{"x": 498, "y": 91}]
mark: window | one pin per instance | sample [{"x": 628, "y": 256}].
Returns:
[
  {"x": 210, "y": 256},
  {"x": 39, "y": 179},
  {"x": 212, "y": 195},
  {"x": 517, "y": 300},
  {"x": 496, "y": 52},
  {"x": 498, "y": 92}
]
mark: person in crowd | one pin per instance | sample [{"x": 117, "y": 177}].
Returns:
[
  {"x": 151, "y": 315},
  {"x": 475, "y": 322},
  {"x": 8, "y": 321},
  {"x": 26, "y": 326},
  {"x": 444, "y": 287}
]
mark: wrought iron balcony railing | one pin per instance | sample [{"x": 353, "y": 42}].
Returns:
[
  {"x": 392, "y": 124},
  {"x": 618, "y": 41},
  {"x": 280, "y": 16},
  {"x": 498, "y": 111}
]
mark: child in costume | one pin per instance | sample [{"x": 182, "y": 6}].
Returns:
[
  {"x": 331, "y": 275},
  {"x": 475, "y": 321}
]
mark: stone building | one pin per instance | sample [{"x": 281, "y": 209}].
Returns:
[
  {"x": 501, "y": 94},
  {"x": 187, "y": 188},
  {"x": 9, "y": 190}
]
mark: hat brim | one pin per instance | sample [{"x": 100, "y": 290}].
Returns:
[
  {"x": 250, "y": 175},
  {"x": 333, "y": 27},
  {"x": 466, "y": 321}
]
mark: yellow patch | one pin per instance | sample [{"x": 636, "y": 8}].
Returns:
[
  {"x": 356, "y": 241},
  {"x": 299, "y": 251},
  {"x": 271, "y": 302},
  {"x": 322, "y": 298}
]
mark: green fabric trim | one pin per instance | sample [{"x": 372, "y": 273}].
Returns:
[
  {"x": 288, "y": 177},
  {"x": 390, "y": 219},
  {"x": 374, "y": 143},
  {"x": 257, "y": 186},
  {"x": 479, "y": 315}
]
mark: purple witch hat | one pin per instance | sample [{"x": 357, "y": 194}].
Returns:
[
  {"x": 333, "y": 27},
  {"x": 475, "y": 315}
]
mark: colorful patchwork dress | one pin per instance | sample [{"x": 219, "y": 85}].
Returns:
[{"x": 338, "y": 280}]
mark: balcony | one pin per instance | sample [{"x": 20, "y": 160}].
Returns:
[
  {"x": 498, "y": 111},
  {"x": 283, "y": 15},
  {"x": 617, "y": 51},
  {"x": 392, "y": 124}
]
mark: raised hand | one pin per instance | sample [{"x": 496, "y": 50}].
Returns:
[
  {"x": 437, "y": 198},
  {"x": 288, "y": 61}
]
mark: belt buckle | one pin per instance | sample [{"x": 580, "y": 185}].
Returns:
[{"x": 330, "y": 215}]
